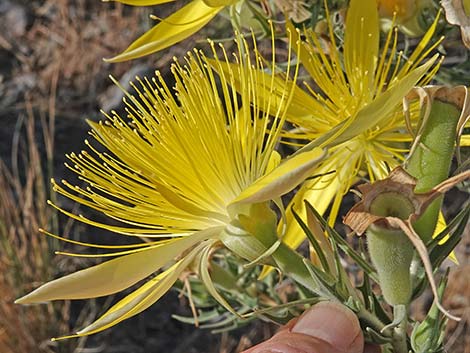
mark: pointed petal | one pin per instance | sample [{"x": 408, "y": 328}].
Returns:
[
  {"x": 265, "y": 271},
  {"x": 114, "y": 275},
  {"x": 361, "y": 45},
  {"x": 319, "y": 193},
  {"x": 283, "y": 179},
  {"x": 274, "y": 161},
  {"x": 373, "y": 113},
  {"x": 301, "y": 104},
  {"x": 173, "y": 29},
  {"x": 142, "y": 298},
  {"x": 216, "y": 3}
]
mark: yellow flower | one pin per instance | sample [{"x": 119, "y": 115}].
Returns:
[
  {"x": 357, "y": 112},
  {"x": 177, "y": 173},
  {"x": 406, "y": 14},
  {"x": 173, "y": 29}
]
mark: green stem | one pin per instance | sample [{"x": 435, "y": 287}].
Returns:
[
  {"x": 371, "y": 321},
  {"x": 291, "y": 263},
  {"x": 399, "y": 337}
]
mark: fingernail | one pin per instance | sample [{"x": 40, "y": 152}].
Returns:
[{"x": 332, "y": 323}]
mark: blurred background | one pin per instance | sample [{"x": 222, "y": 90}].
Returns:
[{"x": 53, "y": 78}]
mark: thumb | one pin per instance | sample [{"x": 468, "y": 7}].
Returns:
[{"x": 325, "y": 328}]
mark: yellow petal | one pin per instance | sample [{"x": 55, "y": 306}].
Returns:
[
  {"x": 301, "y": 104},
  {"x": 283, "y": 179},
  {"x": 372, "y": 114},
  {"x": 465, "y": 140},
  {"x": 114, "y": 275},
  {"x": 361, "y": 45},
  {"x": 173, "y": 29},
  {"x": 141, "y": 2},
  {"x": 319, "y": 193},
  {"x": 274, "y": 161},
  {"x": 142, "y": 298},
  {"x": 440, "y": 226}
]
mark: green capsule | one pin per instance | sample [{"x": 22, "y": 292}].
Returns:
[
  {"x": 390, "y": 249},
  {"x": 430, "y": 162},
  {"x": 391, "y": 253}
]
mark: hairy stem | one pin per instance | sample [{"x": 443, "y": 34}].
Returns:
[{"x": 399, "y": 337}]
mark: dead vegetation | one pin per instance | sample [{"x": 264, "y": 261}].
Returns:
[
  {"x": 26, "y": 257},
  {"x": 54, "y": 51}
]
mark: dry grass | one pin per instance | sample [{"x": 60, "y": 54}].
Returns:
[
  {"x": 25, "y": 256},
  {"x": 61, "y": 51},
  {"x": 458, "y": 299}
]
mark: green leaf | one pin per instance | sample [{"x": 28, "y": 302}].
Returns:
[
  {"x": 439, "y": 252},
  {"x": 427, "y": 336},
  {"x": 324, "y": 284},
  {"x": 377, "y": 337},
  {"x": 313, "y": 241},
  {"x": 202, "y": 317},
  {"x": 343, "y": 244}
]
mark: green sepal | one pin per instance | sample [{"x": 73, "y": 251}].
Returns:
[
  {"x": 241, "y": 242},
  {"x": 251, "y": 232}
]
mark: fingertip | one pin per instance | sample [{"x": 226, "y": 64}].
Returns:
[{"x": 333, "y": 323}]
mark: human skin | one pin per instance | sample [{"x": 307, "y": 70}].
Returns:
[{"x": 325, "y": 328}]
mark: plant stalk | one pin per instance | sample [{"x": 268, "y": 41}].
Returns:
[
  {"x": 292, "y": 263},
  {"x": 399, "y": 337}
]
